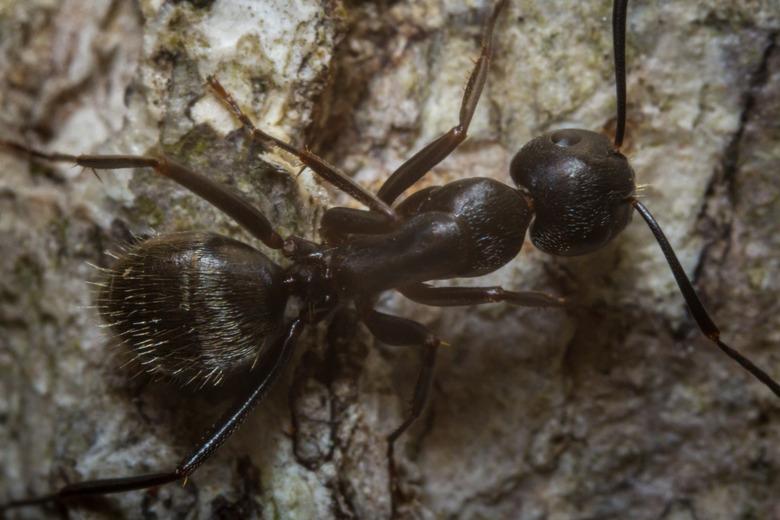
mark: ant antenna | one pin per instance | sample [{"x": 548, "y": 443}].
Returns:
[
  {"x": 703, "y": 320},
  {"x": 619, "y": 9}
]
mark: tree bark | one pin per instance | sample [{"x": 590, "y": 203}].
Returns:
[{"x": 617, "y": 408}]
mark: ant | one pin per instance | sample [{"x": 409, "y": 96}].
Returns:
[{"x": 179, "y": 300}]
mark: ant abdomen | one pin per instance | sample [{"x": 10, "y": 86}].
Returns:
[
  {"x": 582, "y": 188},
  {"x": 193, "y": 306}
]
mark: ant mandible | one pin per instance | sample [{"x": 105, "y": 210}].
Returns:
[{"x": 178, "y": 300}]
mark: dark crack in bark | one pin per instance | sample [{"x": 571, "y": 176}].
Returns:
[{"x": 716, "y": 219}]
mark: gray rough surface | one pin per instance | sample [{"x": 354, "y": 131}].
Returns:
[{"x": 617, "y": 410}]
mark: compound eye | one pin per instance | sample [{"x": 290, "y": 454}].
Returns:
[{"x": 566, "y": 138}]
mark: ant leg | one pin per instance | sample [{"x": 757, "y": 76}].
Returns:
[
  {"x": 394, "y": 330},
  {"x": 217, "y": 194},
  {"x": 421, "y": 163},
  {"x": 453, "y": 296},
  {"x": 318, "y": 165},
  {"x": 339, "y": 222},
  {"x": 213, "y": 439}
]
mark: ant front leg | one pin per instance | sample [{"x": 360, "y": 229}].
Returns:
[
  {"x": 454, "y": 296},
  {"x": 213, "y": 439},
  {"x": 421, "y": 163},
  {"x": 220, "y": 196},
  {"x": 394, "y": 330}
]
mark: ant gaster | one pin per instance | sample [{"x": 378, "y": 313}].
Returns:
[{"x": 194, "y": 306}]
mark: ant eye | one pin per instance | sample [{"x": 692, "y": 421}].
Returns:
[{"x": 565, "y": 138}]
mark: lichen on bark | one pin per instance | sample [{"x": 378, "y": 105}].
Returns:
[{"x": 617, "y": 409}]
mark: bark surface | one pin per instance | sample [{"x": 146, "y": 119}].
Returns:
[{"x": 618, "y": 409}]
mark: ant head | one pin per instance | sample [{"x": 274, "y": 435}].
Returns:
[{"x": 581, "y": 187}]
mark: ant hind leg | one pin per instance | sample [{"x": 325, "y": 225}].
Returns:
[{"x": 213, "y": 439}]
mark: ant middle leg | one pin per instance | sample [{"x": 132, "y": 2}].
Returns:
[
  {"x": 454, "y": 296},
  {"x": 395, "y": 330},
  {"x": 220, "y": 196},
  {"x": 433, "y": 153},
  {"x": 318, "y": 165},
  {"x": 212, "y": 440}
]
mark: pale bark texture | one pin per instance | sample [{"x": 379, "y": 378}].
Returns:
[{"x": 617, "y": 408}]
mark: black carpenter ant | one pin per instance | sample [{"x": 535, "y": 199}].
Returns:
[{"x": 193, "y": 306}]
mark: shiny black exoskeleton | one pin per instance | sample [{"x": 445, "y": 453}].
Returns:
[
  {"x": 197, "y": 306},
  {"x": 582, "y": 187}
]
